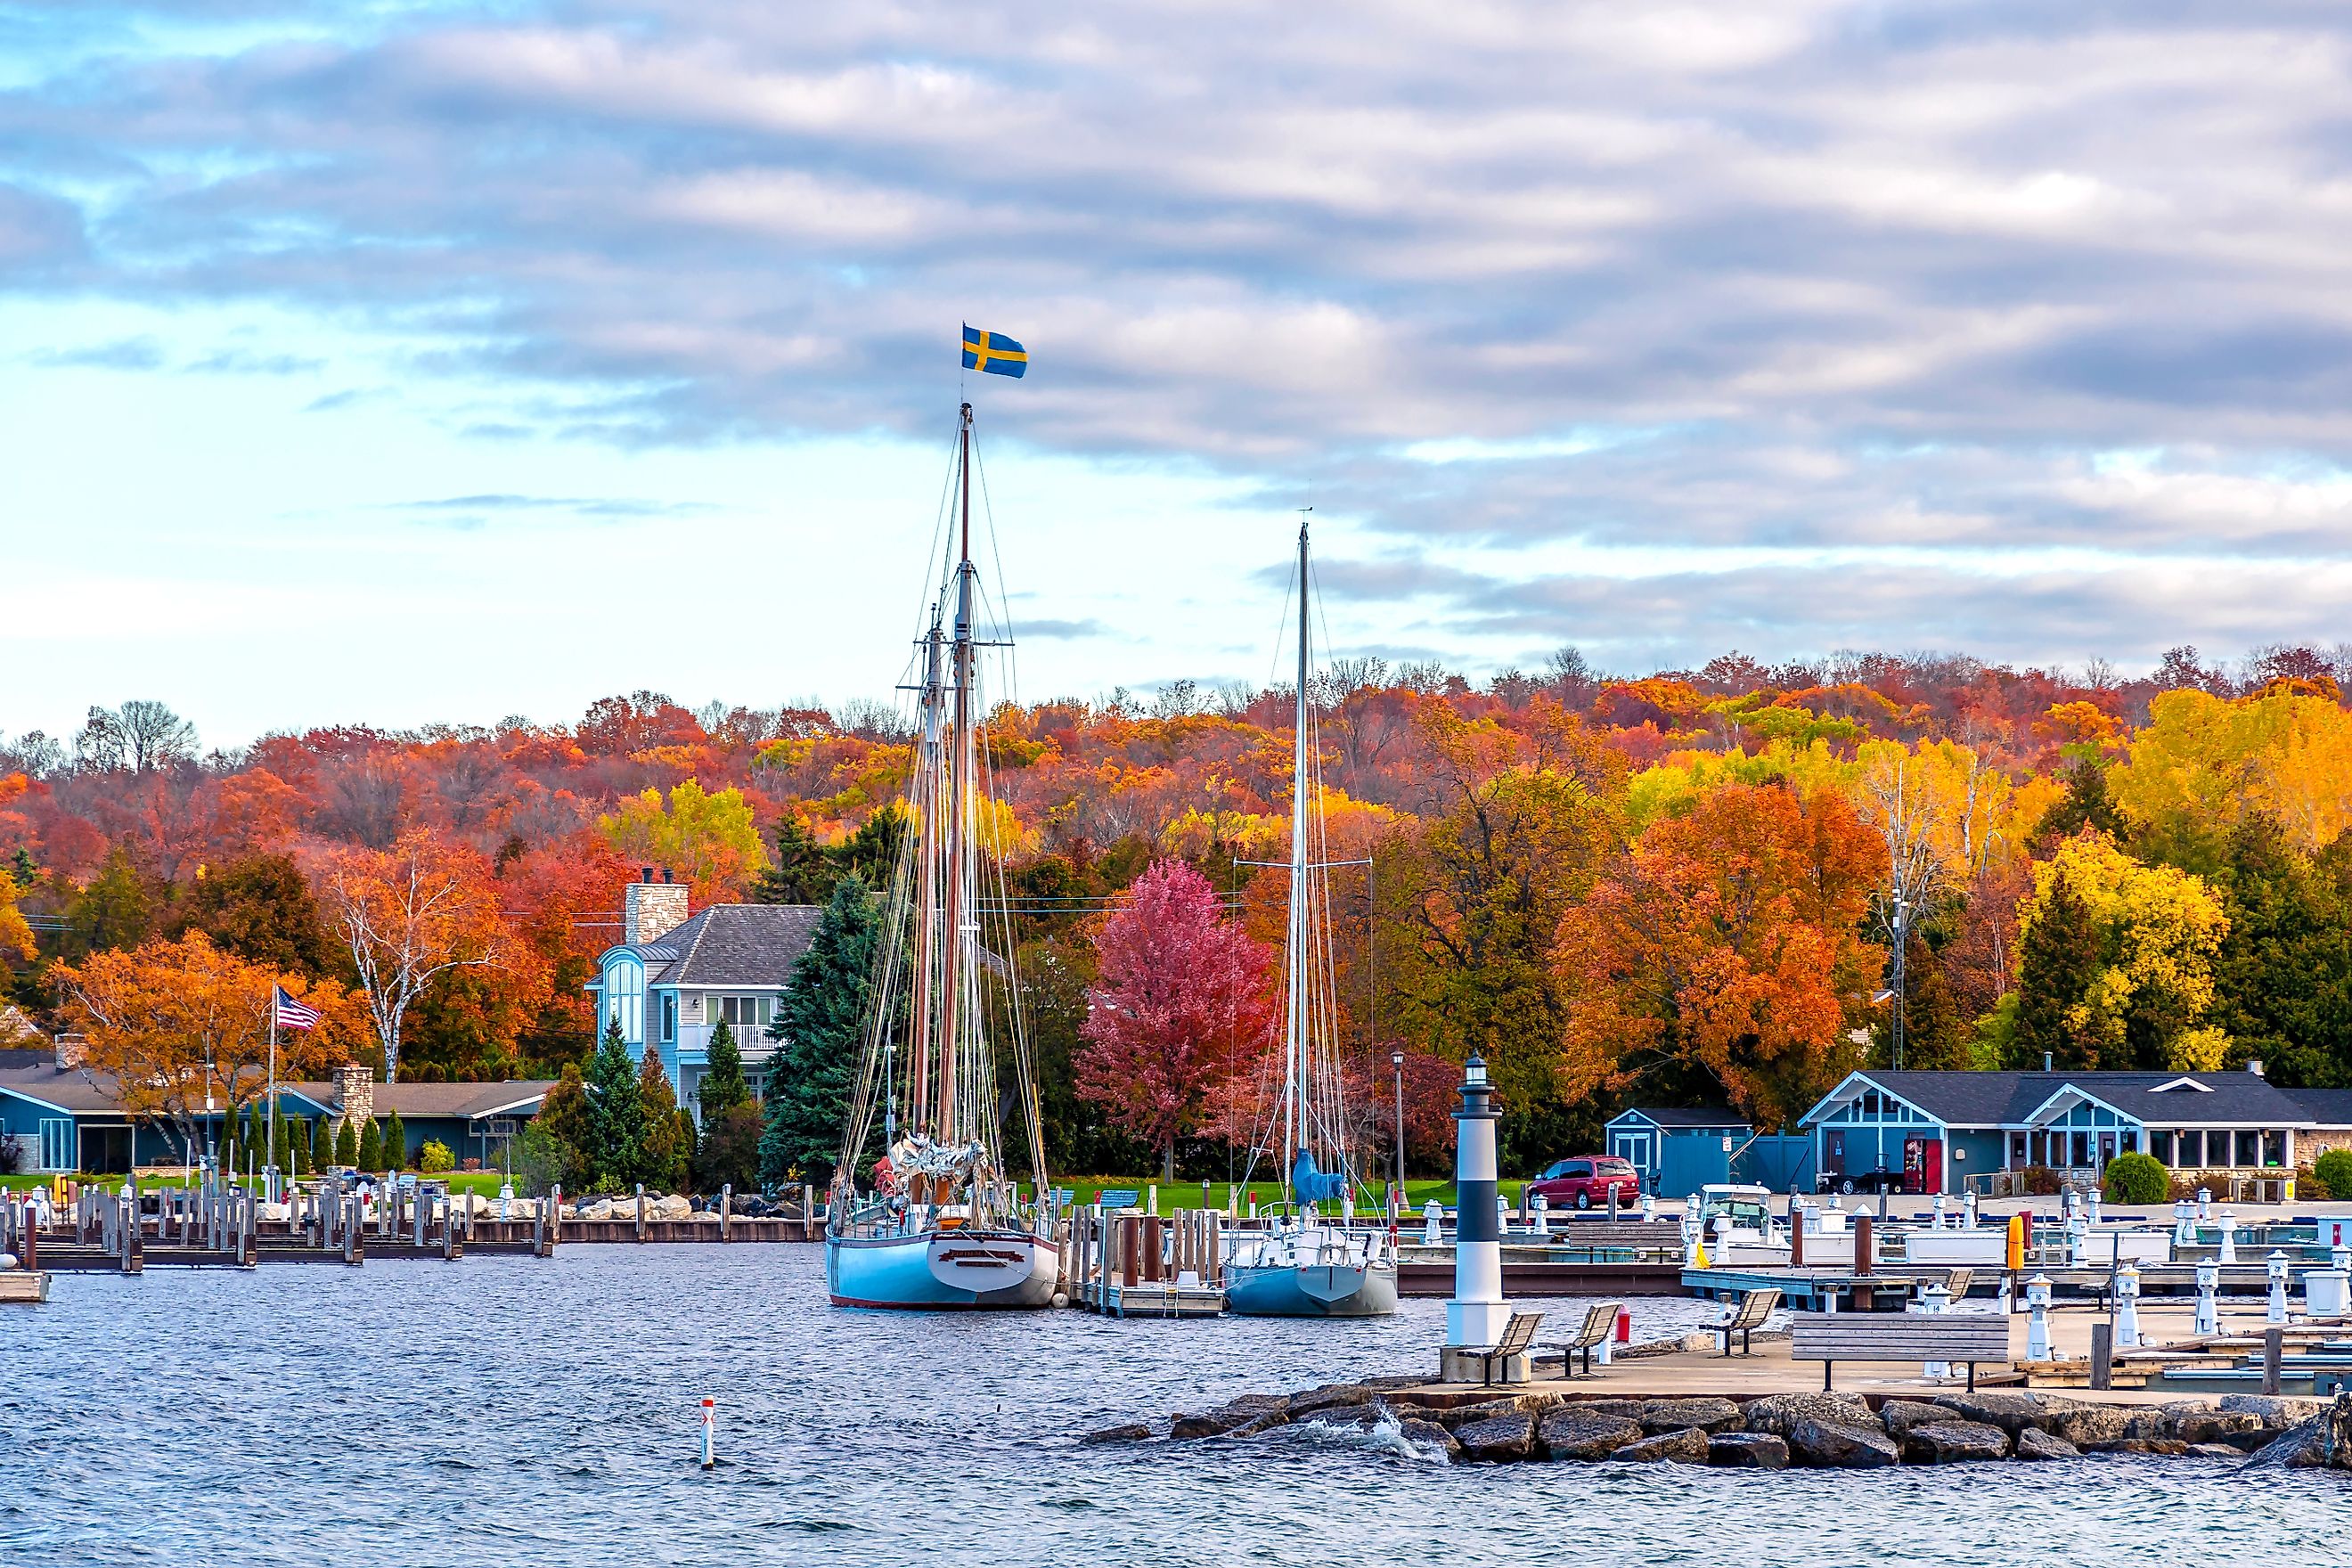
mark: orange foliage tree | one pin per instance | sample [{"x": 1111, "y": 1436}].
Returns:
[
  {"x": 1724, "y": 950},
  {"x": 409, "y": 914},
  {"x": 182, "y": 1028}
]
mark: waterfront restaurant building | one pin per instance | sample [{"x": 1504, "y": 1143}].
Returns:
[
  {"x": 674, "y": 976},
  {"x": 61, "y": 1117},
  {"x": 1949, "y": 1132}
]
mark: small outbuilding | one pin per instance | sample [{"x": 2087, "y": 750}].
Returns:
[{"x": 1677, "y": 1149}]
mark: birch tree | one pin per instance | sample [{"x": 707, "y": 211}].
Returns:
[{"x": 408, "y": 915}]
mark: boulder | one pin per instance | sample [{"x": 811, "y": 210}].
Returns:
[
  {"x": 1951, "y": 1442},
  {"x": 1899, "y": 1416},
  {"x": 2215, "y": 1451},
  {"x": 1746, "y": 1451},
  {"x": 2033, "y": 1443},
  {"x": 2195, "y": 1427},
  {"x": 1687, "y": 1446},
  {"x": 1710, "y": 1415},
  {"x": 670, "y": 1207},
  {"x": 1498, "y": 1439},
  {"x": 1779, "y": 1413},
  {"x": 2298, "y": 1448},
  {"x": 1330, "y": 1396},
  {"x": 2277, "y": 1413},
  {"x": 1460, "y": 1416},
  {"x": 2088, "y": 1426},
  {"x": 1577, "y": 1434},
  {"x": 2140, "y": 1446},
  {"x": 1129, "y": 1432},
  {"x": 1430, "y": 1434},
  {"x": 1840, "y": 1446},
  {"x": 1257, "y": 1423},
  {"x": 1630, "y": 1409},
  {"x": 1233, "y": 1413},
  {"x": 2012, "y": 1413}
]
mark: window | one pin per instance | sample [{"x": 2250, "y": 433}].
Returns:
[
  {"x": 2017, "y": 1149},
  {"x": 670, "y": 1016},
  {"x": 741, "y": 1012}
]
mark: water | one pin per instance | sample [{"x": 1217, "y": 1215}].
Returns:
[{"x": 508, "y": 1410}]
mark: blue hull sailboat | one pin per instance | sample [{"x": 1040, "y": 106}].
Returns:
[
  {"x": 938, "y": 1222},
  {"x": 1316, "y": 1265}
]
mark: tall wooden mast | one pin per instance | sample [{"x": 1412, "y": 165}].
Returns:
[
  {"x": 959, "y": 767},
  {"x": 1295, "y": 1019}
]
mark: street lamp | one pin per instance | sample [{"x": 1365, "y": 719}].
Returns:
[{"x": 1396, "y": 1063}]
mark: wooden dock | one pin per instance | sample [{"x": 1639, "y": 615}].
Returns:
[{"x": 1126, "y": 1264}]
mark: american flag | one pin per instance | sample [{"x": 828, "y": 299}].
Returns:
[{"x": 292, "y": 1015}]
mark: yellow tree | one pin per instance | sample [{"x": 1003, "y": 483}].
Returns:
[
  {"x": 709, "y": 838},
  {"x": 2155, "y": 931},
  {"x": 15, "y": 931},
  {"x": 407, "y": 915},
  {"x": 2203, "y": 763},
  {"x": 182, "y": 1028}
]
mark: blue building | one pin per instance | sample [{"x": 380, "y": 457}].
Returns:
[
  {"x": 675, "y": 976},
  {"x": 60, "y": 1117},
  {"x": 1946, "y": 1131},
  {"x": 1671, "y": 1145}
]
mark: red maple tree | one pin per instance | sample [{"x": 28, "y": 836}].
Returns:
[{"x": 1183, "y": 1003}]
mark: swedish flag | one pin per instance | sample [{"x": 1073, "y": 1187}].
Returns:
[{"x": 995, "y": 354}]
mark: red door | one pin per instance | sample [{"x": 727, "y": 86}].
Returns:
[{"x": 1931, "y": 1165}]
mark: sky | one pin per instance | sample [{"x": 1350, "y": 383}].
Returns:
[{"x": 402, "y": 362}]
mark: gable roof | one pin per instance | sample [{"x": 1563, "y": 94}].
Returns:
[
  {"x": 2327, "y": 1107},
  {"x": 2152, "y": 1098},
  {"x": 1686, "y": 1115},
  {"x": 81, "y": 1094},
  {"x": 739, "y": 944},
  {"x": 69, "y": 1091}
]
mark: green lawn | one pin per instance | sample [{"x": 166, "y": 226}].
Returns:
[{"x": 1187, "y": 1195}]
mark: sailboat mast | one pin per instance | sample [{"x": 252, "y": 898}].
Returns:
[
  {"x": 959, "y": 755},
  {"x": 926, "y": 797},
  {"x": 1295, "y": 1021}
]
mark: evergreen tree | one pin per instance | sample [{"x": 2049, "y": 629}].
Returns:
[
  {"x": 2057, "y": 959},
  {"x": 2085, "y": 805},
  {"x": 727, "y": 1153},
  {"x": 818, "y": 1029},
  {"x": 723, "y": 1086},
  {"x": 616, "y": 1114},
  {"x": 395, "y": 1142},
  {"x": 347, "y": 1144},
  {"x": 370, "y": 1151},
  {"x": 259, "y": 908},
  {"x": 2283, "y": 980},
  {"x": 663, "y": 1156},
  {"x": 1934, "y": 1037},
  {"x": 801, "y": 874},
  {"x": 569, "y": 1130},
  {"x": 298, "y": 1145}
]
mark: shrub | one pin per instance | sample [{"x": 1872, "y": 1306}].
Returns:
[
  {"x": 396, "y": 1143},
  {"x": 346, "y": 1143},
  {"x": 370, "y": 1153},
  {"x": 435, "y": 1158},
  {"x": 2137, "y": 1178},
  {"x": 541, "y": 1159},
  {"x": 2040, "y": 1182},
  {"x": 2333, "y": 1171}
]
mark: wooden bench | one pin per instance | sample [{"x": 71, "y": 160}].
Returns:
[
  {"x": 1755, "y": 1305},
  {"x": 1117, "y": 1197},
  {"x": 1518, "y": 1335},
  {"x": 1600, "y": 1323},
  {"x": 1833, "y": 1337}
]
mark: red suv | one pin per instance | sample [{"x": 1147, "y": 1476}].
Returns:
[{"x": 1588, "y": 1179}]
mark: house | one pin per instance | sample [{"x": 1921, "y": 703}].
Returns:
[
  {"x": 675, "y": 976},
  {"x": 1645, "y": 1135},
  {"x": 1944, "y": 1131},
  {"x": 62, "y": 1117}
]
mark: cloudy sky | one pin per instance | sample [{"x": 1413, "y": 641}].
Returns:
[{"x": 396, "y": 362}]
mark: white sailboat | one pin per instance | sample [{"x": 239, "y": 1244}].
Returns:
[
  {"x": 1316, "y": 1265},
  {"x": 940, "y": 1224}
]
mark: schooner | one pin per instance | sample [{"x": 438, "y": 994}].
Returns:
[{"x": 939, "y": 1221}]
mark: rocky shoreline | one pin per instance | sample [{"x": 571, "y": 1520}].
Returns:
[{"x": 1815, "y": 1430}]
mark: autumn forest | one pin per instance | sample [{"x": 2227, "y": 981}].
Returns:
[{"x": 1688, "y": 887}]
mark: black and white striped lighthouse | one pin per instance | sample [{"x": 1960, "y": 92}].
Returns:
[{"x": 1476, "y": 1315}]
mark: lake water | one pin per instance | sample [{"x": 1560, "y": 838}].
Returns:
[{"x": 513, "y": 1411}]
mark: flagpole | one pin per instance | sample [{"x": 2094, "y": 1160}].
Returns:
[{"x": 272, "y": 1166}]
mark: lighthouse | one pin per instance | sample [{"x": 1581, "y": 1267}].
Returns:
[{"x": 1476, "y": 1315}]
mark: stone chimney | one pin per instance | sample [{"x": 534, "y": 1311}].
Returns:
[
  {"x": 354, "y": 1092},
  {"x": 73, "y": 1050},
  {"x": 651, "y": 910}
]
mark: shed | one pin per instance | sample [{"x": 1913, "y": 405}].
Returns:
[{"x": 1677, "y": 1149}]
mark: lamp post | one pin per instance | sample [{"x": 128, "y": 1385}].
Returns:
[{"x": 1396, "y": 1065}]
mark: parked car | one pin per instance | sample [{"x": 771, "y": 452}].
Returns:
[{"x": 1587, "y": 1180}]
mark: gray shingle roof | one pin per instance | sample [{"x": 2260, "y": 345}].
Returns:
[
  {"x": 68, "y": 1091},
  {"x": 739, "y": 944},
  {"x": 74, "y": 1092},
  {"x": 1993, "y": 1099}
]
